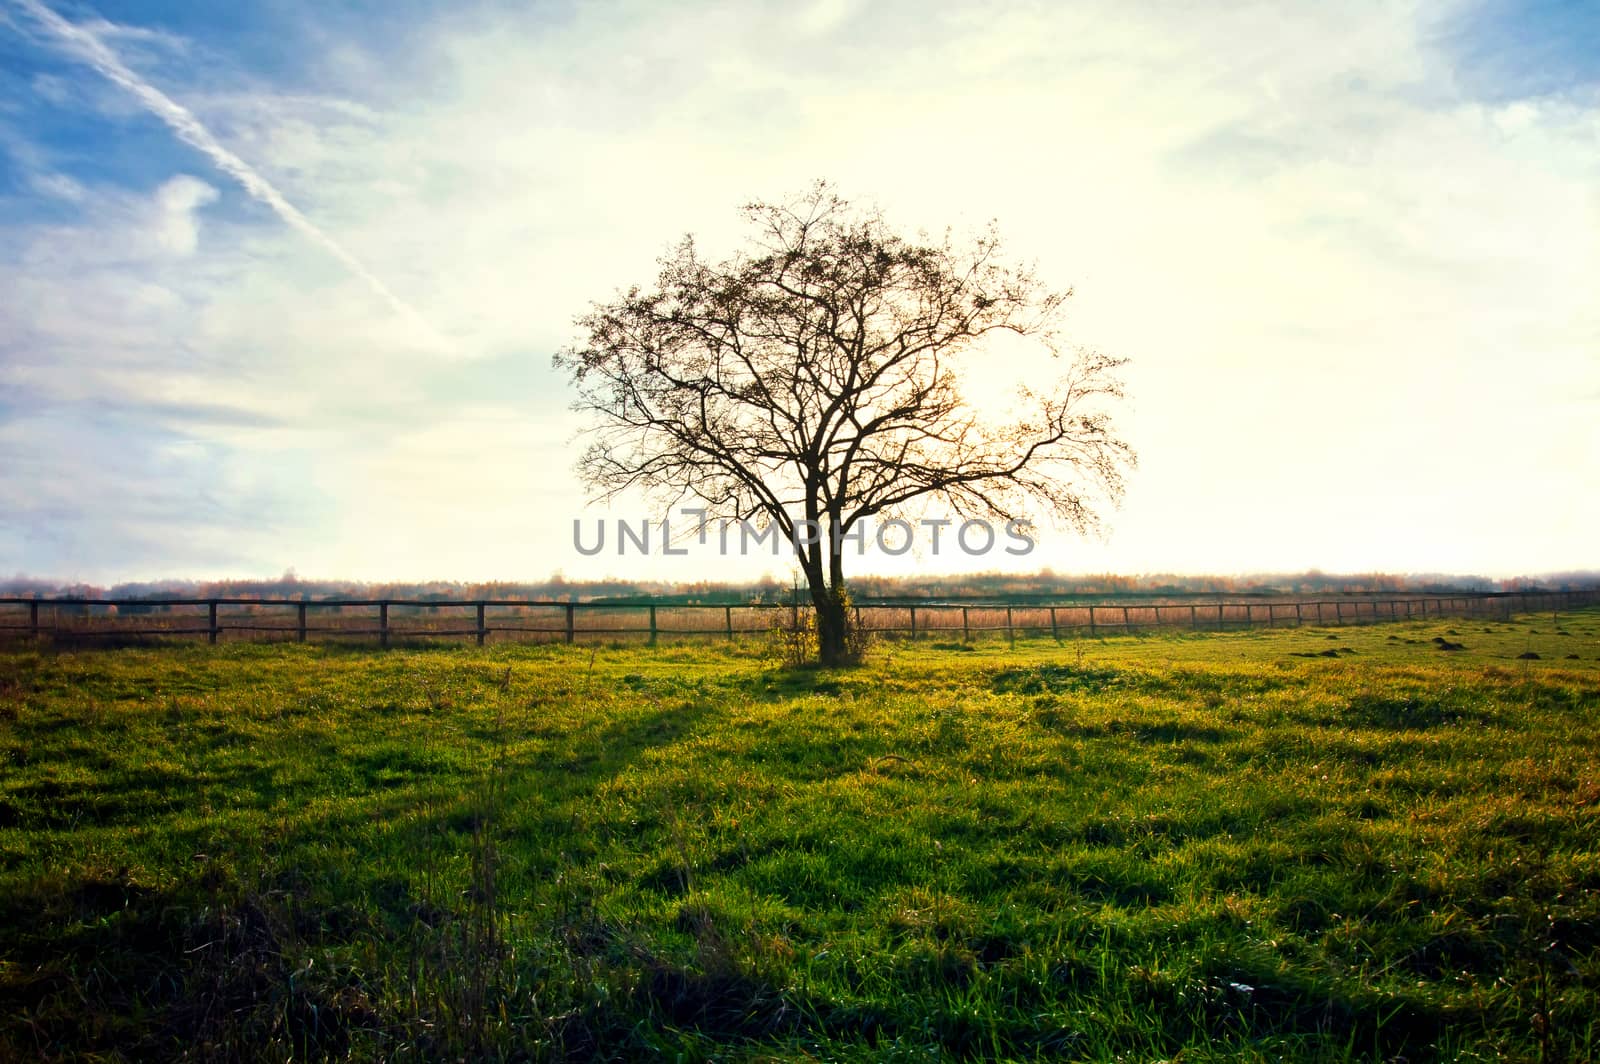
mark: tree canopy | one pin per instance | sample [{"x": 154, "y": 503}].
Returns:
[{"x": 817, "y": 376}]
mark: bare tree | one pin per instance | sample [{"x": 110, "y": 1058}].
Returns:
[{"x": 811, "y": 381}]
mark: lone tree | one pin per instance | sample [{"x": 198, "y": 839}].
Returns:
[{"x": 815, "y": 377}]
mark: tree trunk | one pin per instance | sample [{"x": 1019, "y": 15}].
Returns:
[
  {"x": 823, "y": 564},
  {"x": 833, "y": 623}
]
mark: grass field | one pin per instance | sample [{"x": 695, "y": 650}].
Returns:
[{"x": 1288, "y": 844}]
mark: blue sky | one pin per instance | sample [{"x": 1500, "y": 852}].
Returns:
[
  {"x": 1351, "y": 253},
  {"x": 1512, "y": 49}
]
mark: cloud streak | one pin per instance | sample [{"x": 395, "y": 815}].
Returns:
[{"x": 89, "y": 49}]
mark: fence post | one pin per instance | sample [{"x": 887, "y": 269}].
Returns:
[
  {"x": 300, "y": 628},
  {"x": 727, "y": 618},
  {"x": 33, "y": 619},
  {"x": 966, "y": 631},
  {"x": 652, "y": 625},
  {"x": 1338, "y": 613},
  {"x": 571, "y": 633},
  {"x": 1220, "y": 624},
  {"x": 1055, "y": 631},
  {"x": 1249, "y": 614},
  {"x": 383, "y": 623},
  {"x": 483, "y": 629},
  {"x": 211, "y": 612},
  {"x": 1297, "y": 618},
  {"x": 1126, "y": 625},
  {"x": 1194, "y": 618},
  {"x": 1092, "y": 631},
  {"x": 1010, "y": 634},
  {"x": 913, "y": 624}
]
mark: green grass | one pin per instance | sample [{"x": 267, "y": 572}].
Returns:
[{"x": 1201, "y": 847}]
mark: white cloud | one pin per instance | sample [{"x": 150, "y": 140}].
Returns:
[
  {"x": 823, "y": 16},
  {"x": 57, "y": 186},
  {"x": 176, "y": 228}
]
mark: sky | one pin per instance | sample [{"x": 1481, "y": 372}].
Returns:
[{"x": 280, "y": 282}]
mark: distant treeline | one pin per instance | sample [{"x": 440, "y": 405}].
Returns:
[{"x": 1043, "y": 584}]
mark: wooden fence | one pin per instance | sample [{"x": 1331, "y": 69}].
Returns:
[{"x": 393, "y": 620}]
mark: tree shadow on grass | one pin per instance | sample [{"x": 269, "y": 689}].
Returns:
[{"x": 195, "y": 971}]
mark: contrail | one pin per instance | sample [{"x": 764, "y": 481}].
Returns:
[{"x": 88, "y": 48}]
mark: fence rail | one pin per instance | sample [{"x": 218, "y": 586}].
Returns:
[{"x": 391, "y": 620}]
